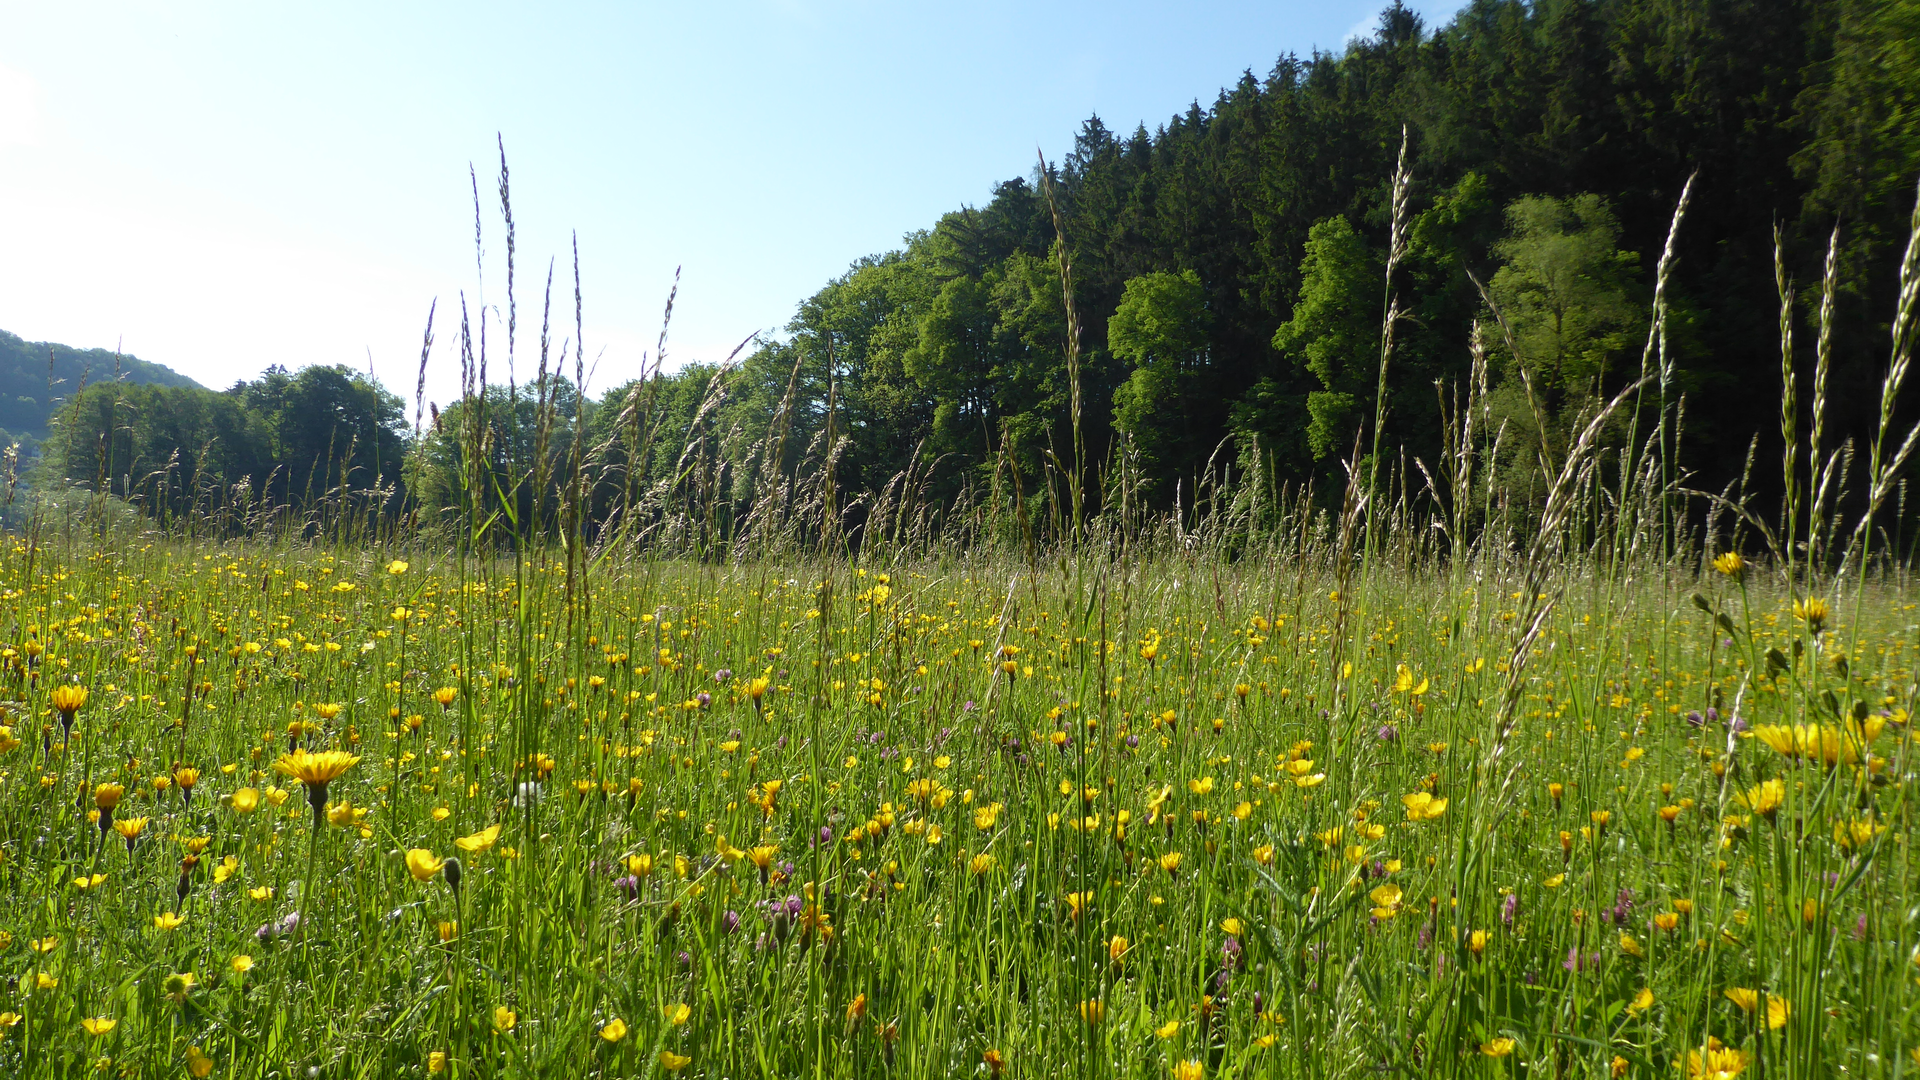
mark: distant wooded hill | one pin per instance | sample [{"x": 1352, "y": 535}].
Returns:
[{"x": 37, "y": 376}]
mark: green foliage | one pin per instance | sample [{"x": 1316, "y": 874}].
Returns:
[
  {"x": 1160, "y": 329},
  {"x": 1566, "y": 291},
  {"x": 36, "y": 376},
  {"x": 291, "y": 439},
  {"x": 1335, "y": 330}
]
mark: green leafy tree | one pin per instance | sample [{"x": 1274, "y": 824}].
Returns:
[
  {"x": 1335, "y": 331},
  {"x": 1566, "y": 290},
  {"x": 1160, "y": 330}
]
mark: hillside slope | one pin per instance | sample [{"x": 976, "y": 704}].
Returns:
[{"x": 36, "y": 376}]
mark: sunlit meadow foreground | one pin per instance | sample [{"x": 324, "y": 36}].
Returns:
[{"x": 289, "y": 812}]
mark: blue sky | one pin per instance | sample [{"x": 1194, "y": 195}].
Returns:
[{"x": 221, "y": 186}]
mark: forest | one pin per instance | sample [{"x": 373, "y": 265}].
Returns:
[{"x": 1504, "y": 183}]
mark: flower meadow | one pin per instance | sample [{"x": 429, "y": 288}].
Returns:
[{"x": 279, "y": 810}]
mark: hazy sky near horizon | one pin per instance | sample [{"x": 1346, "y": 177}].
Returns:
[{"x": 221, "y": 186}]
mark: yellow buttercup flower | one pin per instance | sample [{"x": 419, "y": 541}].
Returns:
[
  {"x": 1497, "y": 1048},
  {"x": 1422, "y": 806},
  {"x": 673, "y": 1062},
  {"x": 422, "y": 864},
  {"x": 99, "y": 1025},
  {"x": 1731, "y": 564},
  {"x": 480, "y": 841},
  {"x": 613, "y": 1030},
  {"x": 167, "y": 920},
  {"x": 504, "y": 1019}
]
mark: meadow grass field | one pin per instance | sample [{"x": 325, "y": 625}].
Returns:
[{"x": 310, "y": 811}]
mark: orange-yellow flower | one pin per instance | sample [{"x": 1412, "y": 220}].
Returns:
[{"x": 68, "y": 698}]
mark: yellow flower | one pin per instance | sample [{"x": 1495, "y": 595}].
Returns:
[
  {"x": 242, "y": 964},
  {"x": 1765, "y": 798},
  {"x": 504, "y": 1019},
  {"x": 1718, "y": 1063},
  {"x": 1779, "y": 1009},
  {"x": 980, "y": 864},
  {"x": 167, "y": 920},
  {"x": 99, "y": 1025},
  {"x": 1168, "y": 1030},
  {"x": 437, "y": 1062},
  {"x": 179, "y": 984},
  {"x": 1190, "y": 1069},
  {"x": 130, "y": 828},
  {"x": 676, "y": 1014},
  {"x": 1170, "y": 862},
  {"x": 1731, "y": 564},
  {"x": 1422, "y": 806},
  {"x": 311, "y": 769},
  {"x": 422, "y": 864},
  {"x": 1630, "y": 946},
  {"x": 1093, "y": 1012},
  {"x": 1498, "y": 1048},
  {"x": 107, "y": 796},
  {"x": 397, "y": 567},
  {"x": 1555, "y": 881},
  {"x": 614, "y": 1030},
  {"x": 484, "y": 840},
  {"x": 445, "y": 695},
  {"x": 673, "y": 1062},
  {"x": 1642, "y": 1001},
  {"x": 1812, "y": 611},
  {"x": 68, "y": 699}
]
